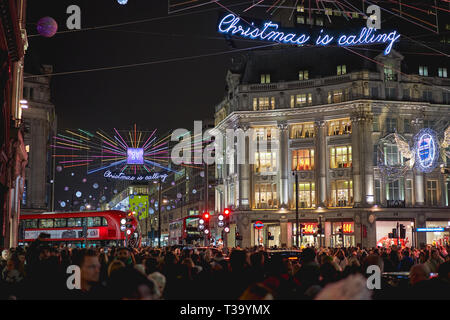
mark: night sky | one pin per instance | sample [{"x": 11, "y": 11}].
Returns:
[{"x": 164, "y": 96}]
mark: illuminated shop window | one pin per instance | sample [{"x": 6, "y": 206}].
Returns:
[
  {"x": 263, "y": 103},
  {"x": 265, "y": 78},
  {"x": 339, "y": 127},
  {"x": 306, "y": 195},
  {"x": 265, "y": 133},
  {"x": 303, "y": 159},
  {"x": 300, "y": 19},
  {"x": 341, "y": 69},
  {"x": 300, "y": 9},
  {"x": 328, "y": 11},
  {"x": 432, "y": 194},
  {"x": 266, "y": 196},
  {"x": 341, "y": 157},
  {"x": 265, "y": 161},
  {"x": 303, "y": 130},
  {"x": 341, "y": 193}
]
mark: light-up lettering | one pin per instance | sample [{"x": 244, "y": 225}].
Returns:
[
  {"x": 123, "y": 176},
  {"x": 231, "y": 24},
  {"x": 347, "y": 227}
]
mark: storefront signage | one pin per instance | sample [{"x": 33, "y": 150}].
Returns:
[
  {"x": 269, "y": 31},
  {"x": 258, "y": 225},
  {"x": 309, "y": 228},
  {"x": 430, "y": 229},
  {"x": 123, "y": 176},
  {"x": 347, "y": 227}
]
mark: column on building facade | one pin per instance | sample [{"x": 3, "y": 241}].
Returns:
[
  {"x": 283, "y": 233},
  {"x": 419, "y": 186},
  {"x": 321, "y": 160},
  {"x": 283, "y": 153},
  {"x": 244, "y": 176},
  {"x": 243, "y": 226},
  {"x": 356, "y": 159},
  {"x": 367, "y": 145}
]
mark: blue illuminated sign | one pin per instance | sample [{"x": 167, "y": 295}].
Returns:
[
  {"x": 135, "y": 156},
  {"x": 231, "y": 24},
  {"x": 430, "y": 229},
  {"x": 427, "y": 150}
]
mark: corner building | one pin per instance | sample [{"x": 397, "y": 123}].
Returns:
[{"x": 331, "y": 116}]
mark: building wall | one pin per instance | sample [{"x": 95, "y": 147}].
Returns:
[
  {"x": 40, "y": 125},
  {"x": 371, "y": 114}
]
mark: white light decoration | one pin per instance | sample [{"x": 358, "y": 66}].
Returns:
[
  {"x": 78, "y": 194},
  {"x": 122, "y": 2},
  {"x": 427, "y": 150}
]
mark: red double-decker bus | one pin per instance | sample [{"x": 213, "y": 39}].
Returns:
[
  {"x": 185, "y": 231},
  {"x": 80, "y": 229}
]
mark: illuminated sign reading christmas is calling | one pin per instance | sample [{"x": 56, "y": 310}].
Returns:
[{"x": 269, "y": 31}]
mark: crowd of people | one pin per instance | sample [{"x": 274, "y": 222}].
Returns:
[{"x": 40, "y": 271}]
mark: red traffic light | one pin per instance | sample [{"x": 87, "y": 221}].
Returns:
[
  {"x": 226, "y": 211},
  {"x": 206, "y": 215}
]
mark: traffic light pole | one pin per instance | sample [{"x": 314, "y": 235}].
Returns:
[
  {"x": 296, "y": 209},
  {"x": 159, "y": 211}
]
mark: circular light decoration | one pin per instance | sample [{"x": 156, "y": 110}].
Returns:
[
  {"x": 115, "y": 191},
  {"x": 103, "y": 198},
  {"x": 47, "y": 27},
  {"x": 391, "y": 169},
  {"x": 58, "y": 168},
  {"x": 95, "y": 185},
  {"x": 90, "y": 196},
  {"x": 179, "y": 195},
  {"x": 62, "y": 204},
  {"x": 78, "y": 194},
  {"x": 122, "y": 2},
  {"x": 82, "y": 208},
  {"x": 131, "y": 196},
  {"x": 151, "y": 211},
  {"x": 66, "y": 188},
  {"x": 72, "y": 174},
  {"x": 173, "y": 183},
  {"x": 84, "y": 180},
  {"x": 427, "y": 150},
  {"x": 194, "y": 191}
]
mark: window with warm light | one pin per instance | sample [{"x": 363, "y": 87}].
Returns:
[
  {"x": 303, "y": 159},
  {"x": 341, "y": 157},
  {"x": 263, "y": 103},
  {"x": 265, "y": 78},
  {"x": 341, "y": 193},
  {"x": 302, "y": 130},
  {"x": 303, "y": 75},
  {"x": 265, "y": 133},
  {"x": 265, "y": 162},
  {"x": 335, "y": 96},
  {"x": 301, "y": 100},
  {"x": 306, "y": 195},
  {"x": 266, "y": 196},
  {"x": 341, "y": 69},
  {"x": 339, "y": 127}
]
